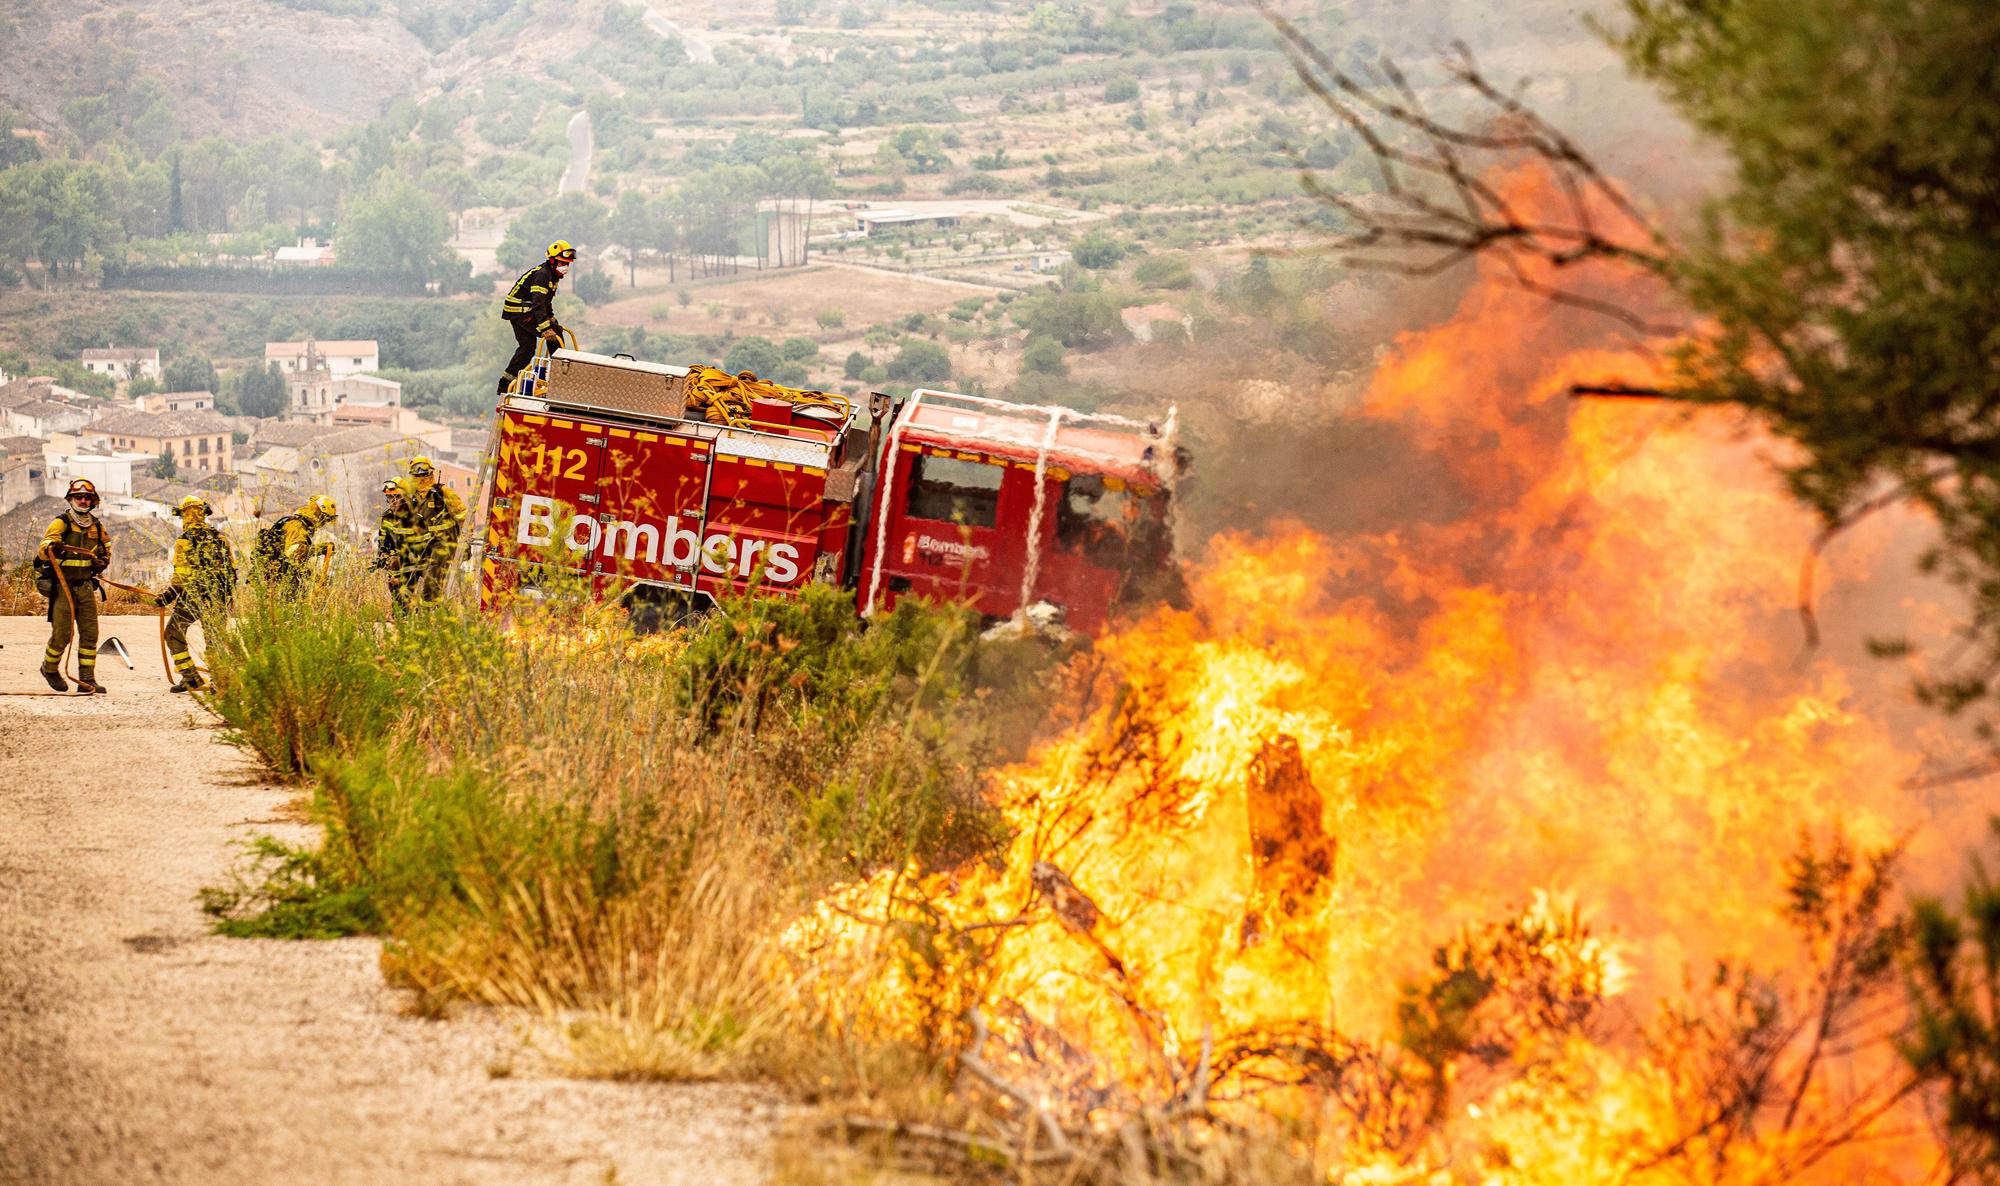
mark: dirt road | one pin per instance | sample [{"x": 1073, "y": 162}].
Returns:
[{"x": 135, "y": 1047}]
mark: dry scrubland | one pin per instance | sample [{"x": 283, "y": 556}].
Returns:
[{"x": 138, "y": 1045}]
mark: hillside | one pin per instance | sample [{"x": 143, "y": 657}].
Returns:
[{"x": 170, "y": 69}]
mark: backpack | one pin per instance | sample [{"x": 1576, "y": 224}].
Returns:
[
  {"x": 215, "y": 567},
  {"x": 269, "y": 552}
]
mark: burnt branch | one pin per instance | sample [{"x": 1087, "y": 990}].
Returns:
[
  {"x": 1434, "y": 205},
  {"x": 1809, "y": 567}
]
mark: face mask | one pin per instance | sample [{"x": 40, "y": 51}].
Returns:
[{"x": 81, "y": 509}]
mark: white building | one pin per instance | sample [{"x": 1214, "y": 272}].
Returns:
[
  {"x": 436, "y": 437},
  {"x": 42, "y": 418},
  {"x": 341, "y": 358},
  {"x": 310, "y": 253},
  {"x": 21, "y": 468},
  {"x": 368, "y": 389},
  {"x": 175, "y": 401},
  {"x": 40, "y": 407},
  {"x": 870, "y": 221},
  {"x": 124, "y": 362},
  {"x": 108, "y": 469}
]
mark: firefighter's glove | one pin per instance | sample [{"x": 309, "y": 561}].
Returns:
[{"x": 166, "y": 596}]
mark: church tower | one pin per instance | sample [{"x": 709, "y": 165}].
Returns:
[{"x": 310, "y": 398}]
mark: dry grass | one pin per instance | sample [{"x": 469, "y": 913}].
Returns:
[{"x": 611, "y": 832}]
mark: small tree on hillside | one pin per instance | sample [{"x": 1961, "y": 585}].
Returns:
[
  {"x": 190, "y": 372},
  {"x": 577, "y": 218},
  {"x": 395, "y": 227},
  {"x": 632, "y": 229},
  {"x": 255, "y": 391},
  {"x": 1043, "y": 355},
  {"x": 760, "y": 356},
  {"x": 918, "y": 363}
]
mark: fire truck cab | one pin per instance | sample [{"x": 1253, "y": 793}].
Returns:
[
  {"x": 608, "y": 479},
  {"x": 1006, "y": 505}
]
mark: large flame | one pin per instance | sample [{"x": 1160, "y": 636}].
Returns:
[{"x": 1578, "y": 692}]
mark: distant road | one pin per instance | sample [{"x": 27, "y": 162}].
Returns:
[
  {"x": 698, "y": 51},
  {"x": 578, "y": 172}
]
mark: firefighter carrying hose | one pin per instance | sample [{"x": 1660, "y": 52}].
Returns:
[
  {"x": 284, "y": 549},
  {"x": 73, "y": 553},
  {"x": 530, "y": 308},
  {"x": 437, "y": 513},
  {"x": 203, "y": 584}
]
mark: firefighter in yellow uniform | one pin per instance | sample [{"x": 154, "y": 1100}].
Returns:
[
  {"x": 73, "y": 552},
  {"x": 395, "y": 536},
  {"x": 530, "y": 308},
  {"x": 204, "y": 582},
  {"x": 284, "y": 549},
  {"x": 437, "y": 514}
]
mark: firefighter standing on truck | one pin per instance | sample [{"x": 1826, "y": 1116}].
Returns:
[
  {"x": 530, "y": 308},
  {"x": 438, "y": 513},
  {"x": 74, "y": 551},
  {"x": 204, "y": 581},
  {"x": 284, "y": 549}
]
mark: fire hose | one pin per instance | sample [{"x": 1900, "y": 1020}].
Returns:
[
  {"x": 74, "y": 629},
  {"x": 166, "y": 661}
]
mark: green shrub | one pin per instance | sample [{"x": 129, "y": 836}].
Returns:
[
  {"x": 755, "y": 354},
  {"x": 1043, "y": 355},
  {"x": 919, "y": 362},
  {"x": 1164, "y": 271},
  {"x": 297, "y": 683}
]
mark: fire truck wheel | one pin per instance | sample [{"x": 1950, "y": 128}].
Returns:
[{"x": 653, "y": 609}]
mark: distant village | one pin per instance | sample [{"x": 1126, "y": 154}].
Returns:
[{"x": 344, "y": 431}]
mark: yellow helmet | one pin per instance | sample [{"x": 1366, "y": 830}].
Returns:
[
  {"x": 560, "y": 249},
  {"x": 393, "y": 487},
  {"x": 420, "y": 465},
  {"x": 195, "y": 502},
  {"x": 321, "y": 506}
]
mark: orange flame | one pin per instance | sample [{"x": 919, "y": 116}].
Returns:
[{"x": 1580, "y": 689}]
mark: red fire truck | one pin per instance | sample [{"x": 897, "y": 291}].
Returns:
[{"x": 613, "y": 475}]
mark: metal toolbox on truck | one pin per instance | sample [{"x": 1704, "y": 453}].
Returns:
[{"x": 608, "y": 383}]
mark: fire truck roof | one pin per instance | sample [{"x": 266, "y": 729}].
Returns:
[{"x": 1093, "y": 442}]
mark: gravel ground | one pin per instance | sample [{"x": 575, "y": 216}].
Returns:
[{"x": 135, "y": 1047}]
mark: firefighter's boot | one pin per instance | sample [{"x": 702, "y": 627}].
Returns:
[
  {"x": 55, "y": 679},
  {"x": 187, "y": 679}
]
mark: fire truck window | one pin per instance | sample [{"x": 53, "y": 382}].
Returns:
[
  {"x": 1093, "y": 517},
  {"x": 954, "y": 491}
]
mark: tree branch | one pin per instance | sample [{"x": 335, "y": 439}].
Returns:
[{"x": 1421, "y": 158}]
